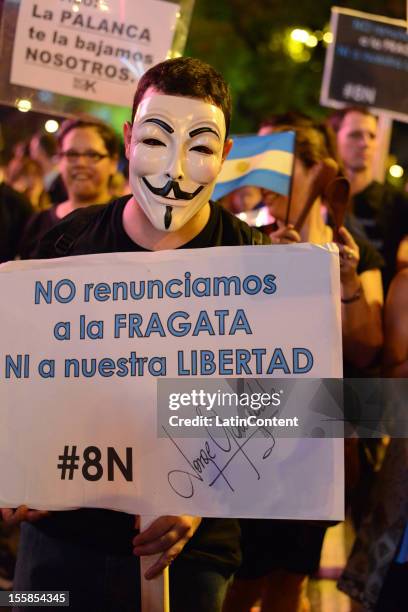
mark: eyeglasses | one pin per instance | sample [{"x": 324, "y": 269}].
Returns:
[{"x": 93, "y": 157}]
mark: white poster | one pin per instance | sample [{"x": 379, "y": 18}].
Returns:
[
  {"x": 93, "y": 49},
  {"x": 85, "y": 340}
]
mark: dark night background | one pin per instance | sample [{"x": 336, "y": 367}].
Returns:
[{"x": 250, "y": 43}]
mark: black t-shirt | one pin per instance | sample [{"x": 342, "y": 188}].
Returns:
[
  {"x": 37, "y": 226},
  {"x": 382, "y": 211},
  {"x": 15, "y": 210},
  {"x": 57, "y": 191},
  {"x": 99, "y": 229},
  {"x": 370, "y": 259}
]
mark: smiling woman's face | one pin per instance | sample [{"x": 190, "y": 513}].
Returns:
[
  {"x": 86, "y": 179},
  {"x": 175, "y": 151}
]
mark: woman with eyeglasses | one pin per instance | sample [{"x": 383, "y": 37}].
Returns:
[{"x": 88, "y": 158}]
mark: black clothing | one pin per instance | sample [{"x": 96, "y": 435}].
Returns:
[
  {"x": 267, "y": 545},
  {"x": 99, "y": 229},
  {"x": 57, "y": 191},
  {"x": 15, "y": 210},
  {"x": 37, "y": 226},
  {"x": 393, "y": 595},
  {"x": 370, "y": 258},
  {"x": 382, "y": 211},
  {"x": 80, "y": 231}
]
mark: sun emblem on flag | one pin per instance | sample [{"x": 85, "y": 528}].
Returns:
[{"x": 243, "y": 166}]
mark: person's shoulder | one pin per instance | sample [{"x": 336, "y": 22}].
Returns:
[
  {"x": 390, "y": 193},
  {"x": 36, "y": 226},
  {"x": 236, "y": 229},
  {"x": 42, "y": 217},
  {"x": 59, "y": 241},
  {"x": 88, "y": 214},
  {"x": 94, "y": 215}
]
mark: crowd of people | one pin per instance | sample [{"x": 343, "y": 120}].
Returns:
[{"x": 64, "y": 196}]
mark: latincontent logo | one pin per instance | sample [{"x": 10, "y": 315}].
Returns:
[{"x": 248, "y": 405}]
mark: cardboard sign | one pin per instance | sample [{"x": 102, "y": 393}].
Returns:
[
  {"x": 367, "y": 63},
  {"x": 91, "y": 50},
  {"x": 86, "y": 339}
]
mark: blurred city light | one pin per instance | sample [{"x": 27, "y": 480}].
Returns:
[
  {"x": 312, "y": 41},
  {"x": 328, "y": 38},
  {"x": 51, "y": 126},
  {"x": 296, "y": 50},
  {"x": 396, "y": 171},
  {"x": 23, "y": 105},
  {"x": 297, "y": 41},
  {"x": 299, "y": 35}
]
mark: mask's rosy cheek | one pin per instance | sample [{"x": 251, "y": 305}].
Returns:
[
  {"x": 145, "y": 161},
  {"x": 203, "y": 169}
]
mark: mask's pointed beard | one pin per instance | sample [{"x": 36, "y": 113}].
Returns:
[{"x": 167, "y": 217}]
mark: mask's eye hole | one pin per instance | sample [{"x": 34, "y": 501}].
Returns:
[
  {"x": 202, "y": 149},
  {"x": 153, "y": 142}
]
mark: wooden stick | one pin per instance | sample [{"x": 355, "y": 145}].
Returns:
[
  {"x": 321, "y": 175},
  {"x": 155, "y": 594},
  {"x": 290, "y": 194},
  {"x": 337, "y": 197}
]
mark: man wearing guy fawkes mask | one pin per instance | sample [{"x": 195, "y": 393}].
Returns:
[
  {"x": 175, "y": 149},
  {"x": 176, "y": 143}
]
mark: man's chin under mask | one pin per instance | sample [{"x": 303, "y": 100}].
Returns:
[{"x": 180, "y": 207}]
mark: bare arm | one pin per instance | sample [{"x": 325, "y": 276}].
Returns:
[
  {"x": 362, "y": 316},
  {"x": 396, "y": 328}
]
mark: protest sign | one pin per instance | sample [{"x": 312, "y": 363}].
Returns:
[
  {"x": 86, "y": 339},
  {"x": 367, "y": 63},
  {"x": 94, "y": 52},
  {"x": 71, "y": 56}
]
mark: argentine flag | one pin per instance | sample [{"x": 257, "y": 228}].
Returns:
[{"x": 262, "y": 161}]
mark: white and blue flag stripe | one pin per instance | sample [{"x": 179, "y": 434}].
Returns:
[{"x": 262, "y": 161}]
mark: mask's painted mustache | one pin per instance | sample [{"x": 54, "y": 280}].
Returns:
[
  {"x": 167, "y": 217},
  {"x": 164, "y": 191}
]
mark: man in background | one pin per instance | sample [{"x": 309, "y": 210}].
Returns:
[{"x": 381, "y": 209}]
